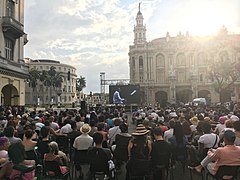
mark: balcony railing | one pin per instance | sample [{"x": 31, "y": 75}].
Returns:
[{"x": 12, "y": 27}]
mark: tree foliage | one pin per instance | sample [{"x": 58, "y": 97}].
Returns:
[
  {"x": 80, "y": 83},
  {"x": 34, "y": 75},
  {"x": 224, "y": 74}
]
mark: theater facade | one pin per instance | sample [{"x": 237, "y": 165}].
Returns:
[
  {"x": 175, "y": 69},
  {"x": 13, "y": 71}
]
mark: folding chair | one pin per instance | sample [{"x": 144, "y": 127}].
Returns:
[
  {"x": 80, "y": 158},
  {"x": 52, "y": 170},
  {"x": 99, "y": 164},
  {"x": 223, "y": 172},
  {"x": 194, "y": 160},
  {"x": 140, "y": 170}
]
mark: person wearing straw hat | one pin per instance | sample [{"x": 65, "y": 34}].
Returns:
[
  {"x": 84, "y": 141},
  {"x": 139, "y": 147}
]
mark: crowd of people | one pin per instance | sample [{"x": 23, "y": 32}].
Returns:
[{"x": 161, "y": 139}]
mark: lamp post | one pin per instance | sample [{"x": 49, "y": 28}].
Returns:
[
  {"x": 38, "y": 101},
  {"x": 172, "y": 79},
  {"x": 59, "y": 92},
  {"x": 193, "y": 78}
]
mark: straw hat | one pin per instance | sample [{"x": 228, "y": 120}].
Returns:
[
  {"x": 85, "y": 129},
  {"x": 194, "y": 120},
  {"x": 140, "y": 130}
]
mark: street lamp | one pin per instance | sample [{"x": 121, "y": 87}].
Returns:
[
  {"x": 59, "y": 92},
  {"x": 38, "y": 101}
]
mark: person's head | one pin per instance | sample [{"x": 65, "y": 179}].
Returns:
[
  {"x": 97, "y": 138},
  {"x": 194, "y": 120},
  {"x": 100, "y": 127},
  {"x": 85, "y": 129},
  {"x": 222, "y": 119},
  {"x": 146, "y": 123},
  {"x": 53, "y": 147},
  {"x": 101, "y": 118},
  {"x": 229, "y": 137},
  {"x": 45, "y": 131},
  {"x": 123, "y": 127},
  {"x": 78, "y": 118},
  {"x": 229, "y": 124},
  {"x": 157, "y": 132},
  {"x": 186, "y": 128},
  {"x": 28, "y": 134},
  {"x": 16, "y": 153},
  {"x": 172, "y": 123},
  {"x": 4, "y": 143},
  {"x": 236, "y": 126},
  {"x": 9, "y": 131},
  {"x": 117, "y": 121},
  {"x": 206, "y": 127}
]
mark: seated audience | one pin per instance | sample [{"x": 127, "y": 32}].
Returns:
[
  {"x": 207, "y": 140},
  {"x": 9, "y": 133},
  {"x": 55, "y": 154},
  {"x": 4, "y": 144},
  {"x": 16, "y": 155},
  {"x": 227, "y": 155}
]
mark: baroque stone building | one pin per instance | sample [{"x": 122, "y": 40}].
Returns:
[
  {"x": 13, "y": 71},
  {"x": 175, "y": 69},
  {"x": 66, "y": 94}
]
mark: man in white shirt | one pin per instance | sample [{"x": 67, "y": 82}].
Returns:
[{"x": 84, "y": 141}]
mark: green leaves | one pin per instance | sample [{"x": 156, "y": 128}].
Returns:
[{"x": 80, "y": 83}]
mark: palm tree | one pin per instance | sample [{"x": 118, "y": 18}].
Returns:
[
  {"x": 80, "y": 83},
  {"x": 33, "y": 78},
  {"x": 51, "y": 79}
]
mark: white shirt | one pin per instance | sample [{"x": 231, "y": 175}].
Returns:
[
  {"x": 66, "y": 129},
  {"x": 83, "y": 142},
  {"x": 112, "y": 133},
  {"x": 168, "y": 134},
  {"x": 208, "y": 140}
]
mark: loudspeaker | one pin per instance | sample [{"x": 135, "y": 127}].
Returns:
[{"x": 83, "y": 105}]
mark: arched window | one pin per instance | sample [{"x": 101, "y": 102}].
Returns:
[
  {"x": 181, "y": 59},
  {"x": 160, "y": 60},
  {"x": 140, "y": 35}
]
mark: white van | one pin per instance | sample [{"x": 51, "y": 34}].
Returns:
[{"x": 199, "y": 101}]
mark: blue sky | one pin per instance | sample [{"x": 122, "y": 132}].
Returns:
[{"x": 94, "y": 35}]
